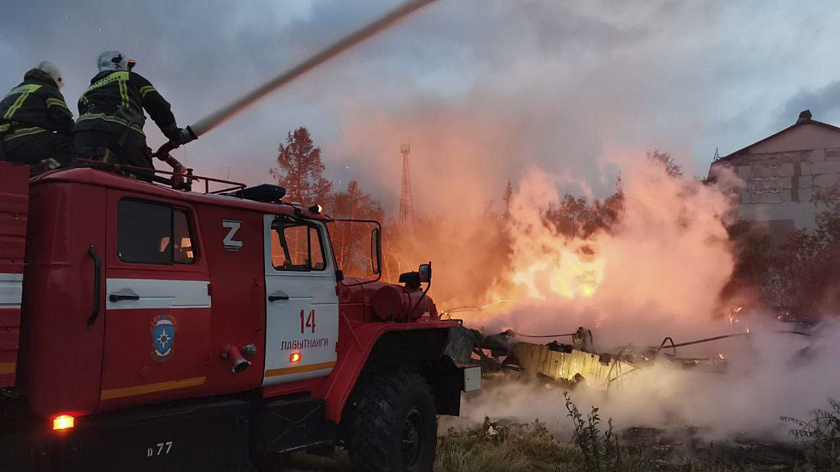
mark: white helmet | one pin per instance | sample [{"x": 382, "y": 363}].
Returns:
[
  {"x": 53, "y": 72},
  {"x": 112, "y": 60}
]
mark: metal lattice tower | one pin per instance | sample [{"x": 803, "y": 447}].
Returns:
[{"x": 406, "y": 202}]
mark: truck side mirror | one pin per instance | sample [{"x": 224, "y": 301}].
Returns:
[
  {"x": 425, "y": 271},
  {"x": 376, "y": 251}
]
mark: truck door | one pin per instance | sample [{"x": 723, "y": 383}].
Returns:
[
  {"x": 157, "y": 317},
  {"x": 301, "y": 300}
]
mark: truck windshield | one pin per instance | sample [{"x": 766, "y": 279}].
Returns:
[{"x": 351, "y": 242}]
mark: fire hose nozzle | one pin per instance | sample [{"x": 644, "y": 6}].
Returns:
[
  {"x": 240, "y": 364},
  {"x": 187, "y": 135}
]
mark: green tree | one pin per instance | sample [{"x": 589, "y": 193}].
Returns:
[
  {"x": 576, "y": 217},
  {"x": 611, "y": 208},
  {"x": 801, "y": 274},
  {"x": 828, "y": 220},
  {"x": 664, "y": 158},
  {"x": 571, "y": 216},
  {"x": 300, "y": 170},
  {"x": 507, "y": 197}
]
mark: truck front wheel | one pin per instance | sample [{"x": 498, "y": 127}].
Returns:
[{"x": 393, "y": 424}]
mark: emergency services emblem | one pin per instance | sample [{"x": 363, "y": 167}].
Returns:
[{"x": 163, "y": 337}]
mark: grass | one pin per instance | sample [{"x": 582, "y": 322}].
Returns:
[
  {"x": 595, "y": 446},
  {"x": 496, "y": 448},
  {"x": 532, "y": 448}
]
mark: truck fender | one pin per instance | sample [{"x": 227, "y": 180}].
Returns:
[{"x": 362, "y": 354}]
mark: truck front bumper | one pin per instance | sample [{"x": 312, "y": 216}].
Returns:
[{"x": 207, "y": 437}]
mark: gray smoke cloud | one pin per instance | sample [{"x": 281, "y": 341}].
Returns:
[
  {"x": 557, "y": 84},
  {"x": 771, "y": 374},
  {"x": 824, "y": 103}
]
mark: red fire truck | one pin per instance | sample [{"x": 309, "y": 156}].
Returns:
[{"x": 146, "y": 327}]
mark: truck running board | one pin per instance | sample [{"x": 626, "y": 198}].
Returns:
[{"x": 288, "y": 425}]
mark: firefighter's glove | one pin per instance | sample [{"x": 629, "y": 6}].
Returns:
[
  {"x": 183, "y": 136},
  {"x": 186, "y": 135}
]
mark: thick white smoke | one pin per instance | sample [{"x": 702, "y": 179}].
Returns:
[{"x": 774, "y": 374}]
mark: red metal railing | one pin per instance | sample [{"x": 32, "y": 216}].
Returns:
[{"x": 180, "y": 177}]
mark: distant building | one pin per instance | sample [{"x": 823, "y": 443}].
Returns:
[{"x": 783, "y": 171}]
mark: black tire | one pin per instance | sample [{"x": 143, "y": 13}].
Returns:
[{"x": 392, "y": 424}]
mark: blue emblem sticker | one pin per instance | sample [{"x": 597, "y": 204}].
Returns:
[{"x": 163, "y": 337}]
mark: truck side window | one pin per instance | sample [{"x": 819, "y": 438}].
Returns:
[
  {"x": 296, "y": 246},
  {"x": 153, "y": 233}
]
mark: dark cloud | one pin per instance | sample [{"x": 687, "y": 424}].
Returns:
[
  {"x": 566, "y": 82},
  {"x": 823, "y": 102}
]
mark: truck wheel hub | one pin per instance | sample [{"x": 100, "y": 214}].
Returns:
[{"x": 411, "y": 438}]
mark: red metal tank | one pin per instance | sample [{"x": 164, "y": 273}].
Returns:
[
  {"x": 14, "y": 197},
  {"x": 394, "y": 302}
]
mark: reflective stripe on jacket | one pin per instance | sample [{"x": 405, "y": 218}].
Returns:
[
  {"x": 36, "y": 102},
  {"x": 8, "y": 132},
  {"x": 94, "y": 120},
  {"x": 110, "y": 91}
]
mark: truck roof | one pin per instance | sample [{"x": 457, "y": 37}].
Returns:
[{"x": 90, "y": 176}]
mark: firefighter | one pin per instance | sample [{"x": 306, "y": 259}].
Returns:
[
  {"x": 36, "y": 126},
  {"x": 111, "y": 119}
]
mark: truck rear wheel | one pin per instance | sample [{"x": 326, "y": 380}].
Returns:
[{"x": 393, "y": 424}]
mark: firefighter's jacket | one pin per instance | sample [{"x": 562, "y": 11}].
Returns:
[
  {"x": 115, "y": 100},
  {"x": 35, "y": 106}
]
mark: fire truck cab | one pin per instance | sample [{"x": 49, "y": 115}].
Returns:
[{"x": 144, "y": 327}]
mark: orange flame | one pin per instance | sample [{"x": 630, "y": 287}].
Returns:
[{"x": 570, "y": 274}]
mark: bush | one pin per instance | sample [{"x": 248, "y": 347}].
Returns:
[
  {"x": 599, "y": 452},
  {"x": 820, "y": 437}
]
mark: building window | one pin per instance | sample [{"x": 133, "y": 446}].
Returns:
[
  {"x": 832, "y": 153},
  {"x": 296, "y": 246},
  {"x": 153, "y": 233}
]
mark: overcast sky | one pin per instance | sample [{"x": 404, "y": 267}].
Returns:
[{"x": 480, "y": 88}]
